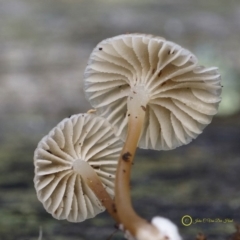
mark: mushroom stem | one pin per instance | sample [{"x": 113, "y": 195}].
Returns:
[
  {"x": 93, "y": 181},
  {"x": 128, "y": 217},
  {"x": 130, "y": 220}
]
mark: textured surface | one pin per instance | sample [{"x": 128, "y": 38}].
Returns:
[
  {"x": 44, "y": 50},
  {"x": 182, "y": 96},
  {"x": 59, "y": 186}
]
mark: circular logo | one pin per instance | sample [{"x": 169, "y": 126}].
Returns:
[{"x": 186, "y": 220}]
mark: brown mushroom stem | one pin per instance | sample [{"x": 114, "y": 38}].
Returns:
[
  {"x": 127, "y": 216},
  {"x": 93, "y": 181}
]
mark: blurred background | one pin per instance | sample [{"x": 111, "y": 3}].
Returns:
[{"x": 44, "y": 48}]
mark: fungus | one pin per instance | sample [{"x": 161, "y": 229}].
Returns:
[
  {"x": 75, "y": 167},
  {"x": 155, "y": 95}
]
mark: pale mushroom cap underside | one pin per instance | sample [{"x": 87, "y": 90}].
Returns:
[
  {"x": 61, "y": 189},
  {"x": 182, "y": 96}
]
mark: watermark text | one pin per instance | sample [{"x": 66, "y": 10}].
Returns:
[{"x": 187, "y": 220}]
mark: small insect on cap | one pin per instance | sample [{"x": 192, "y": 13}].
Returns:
[
  {"x": 58, "y": 161},
  {"x": 143, "y": 72}
]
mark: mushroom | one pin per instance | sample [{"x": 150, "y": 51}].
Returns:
[
  {"x": 155, "y": 95},
  {"x": 75, "y": 167}
]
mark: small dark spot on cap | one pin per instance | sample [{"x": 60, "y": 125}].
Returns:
[
  {"x": 125, "y": 156},
  {"x": 124, "y": 170},
  {"x": 134, "y": 92},
  {"x": 135, "y": 117},
  {"x": 129, "y": 115},
  {"x": 143, "y": 108},
  {"x": 110, "y": 176},
  {"x": 100, "y": 49},
  {"x": 96, "y": 167}
]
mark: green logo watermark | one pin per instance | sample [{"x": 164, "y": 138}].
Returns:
[{"x": 186, "y": 220}]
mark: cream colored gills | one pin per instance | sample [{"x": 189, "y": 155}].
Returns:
[
  {"x": 79, "y": 151},
  {"x": 181, "y": 96}
]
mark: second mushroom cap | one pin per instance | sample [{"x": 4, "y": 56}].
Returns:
[{"x": 59, "y": 164}]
